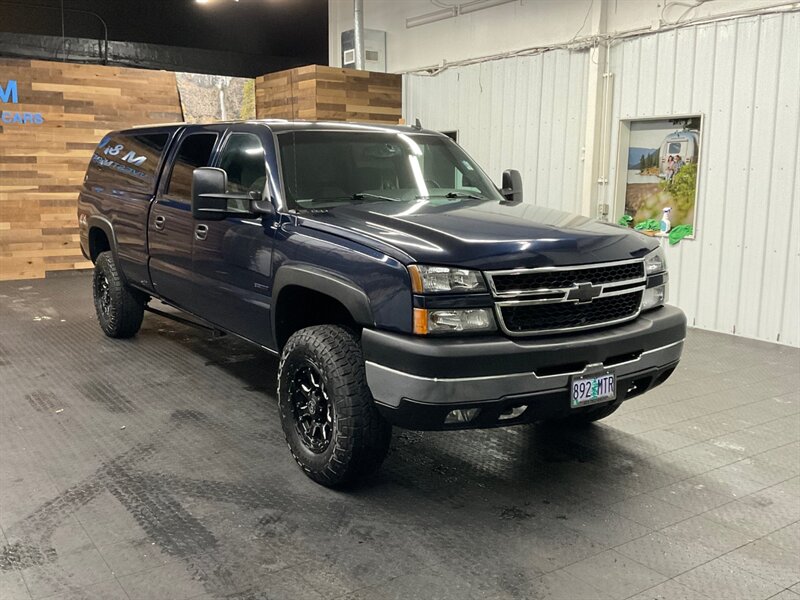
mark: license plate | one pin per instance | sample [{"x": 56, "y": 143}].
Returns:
[{"x": 592, "y": 390}]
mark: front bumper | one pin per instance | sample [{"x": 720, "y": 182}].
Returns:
[{"x": 417, "y": 381}]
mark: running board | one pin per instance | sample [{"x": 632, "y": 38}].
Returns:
[{"x": 191, "y": 322}]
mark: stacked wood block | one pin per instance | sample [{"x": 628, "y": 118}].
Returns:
[
  {"x": 320, "y": 93},
  {"x": 42, "y": 165}
]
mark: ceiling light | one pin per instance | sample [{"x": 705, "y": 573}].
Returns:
[
  {"x": 431, "y": 17},
  {"x": 469, "y": 7}
]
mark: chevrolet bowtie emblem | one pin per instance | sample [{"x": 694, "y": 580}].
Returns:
[{"x": 581, "y": 293}]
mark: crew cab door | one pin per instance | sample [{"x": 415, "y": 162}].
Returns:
[
  {"x": 233, "y": 257},
  {"x": 170, "y": 224}
]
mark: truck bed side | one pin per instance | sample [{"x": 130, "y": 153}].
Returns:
[{"x": 116, "y": 196}]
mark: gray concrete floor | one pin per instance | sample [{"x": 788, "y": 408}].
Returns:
[{"x": 156, "y": 469}]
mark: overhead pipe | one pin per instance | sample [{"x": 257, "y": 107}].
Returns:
[
  {"x": 358, "y": 32},
  {"x": 103, "y": 48},
  {"x": 454, "y": 10}
]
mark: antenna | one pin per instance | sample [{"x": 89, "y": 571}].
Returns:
[{"x": 417, "y": 125}]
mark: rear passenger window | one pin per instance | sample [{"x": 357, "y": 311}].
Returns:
[
  {"x": 130, "y": 160},
  {"x": 244, "y": 162},
  {"x": 194, "y": 152}
]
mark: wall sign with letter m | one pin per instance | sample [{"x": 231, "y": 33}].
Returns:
[{"x": 9, "y": 92}]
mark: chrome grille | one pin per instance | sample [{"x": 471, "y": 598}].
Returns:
[
  {"x": 563, "y": 315},
  {"x": 563, "y": 299},
  {"x": 516, "y": 282}
]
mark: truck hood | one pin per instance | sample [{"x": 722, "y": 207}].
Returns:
[{"x": 480, "y": 234}]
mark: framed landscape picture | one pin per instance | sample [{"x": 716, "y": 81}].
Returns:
[
  {"x": 658, "y": 171},
  {"x": 216, "y": 97}
]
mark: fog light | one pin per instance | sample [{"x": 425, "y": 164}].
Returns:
[
  {"x": 653, "y": 297},
  {"x": 461, "y": 415},
  {"x": 512, "y": 413}
]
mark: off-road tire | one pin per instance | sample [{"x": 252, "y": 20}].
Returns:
[
  {"x": 360, "y": 436},
  {"x": 119, "y": 309}
]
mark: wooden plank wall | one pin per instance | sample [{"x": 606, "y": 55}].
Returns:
[
  {"x": 321, "y": 93},
  {"x": 42, "y": 166}
]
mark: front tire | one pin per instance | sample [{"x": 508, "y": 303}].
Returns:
[
  {"x": 330, "y": 422},
  {"x": 119, "y": 309}
]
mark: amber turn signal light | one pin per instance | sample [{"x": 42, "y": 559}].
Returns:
[
  {"x": 421, "y": 321},
  {"x": 416, "y": 279}
]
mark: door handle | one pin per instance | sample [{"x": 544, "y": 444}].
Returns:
[
  {"x": 200, "y": 232},
  {"x": 159, "y": 221}
]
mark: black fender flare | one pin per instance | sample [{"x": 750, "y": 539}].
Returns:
[
  {"x": 352, "y": 297},
  {"x": 96, "y": 221}
]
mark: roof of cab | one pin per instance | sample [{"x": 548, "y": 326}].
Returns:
[{"x": 281, "y": 125}]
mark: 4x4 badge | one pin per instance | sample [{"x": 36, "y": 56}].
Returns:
[{"x": 582, "y": 293}]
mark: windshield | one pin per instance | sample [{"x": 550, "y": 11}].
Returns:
[{"x": 324, "y": 169}]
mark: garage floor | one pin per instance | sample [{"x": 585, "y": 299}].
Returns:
[{"x": 156, "y": 469}]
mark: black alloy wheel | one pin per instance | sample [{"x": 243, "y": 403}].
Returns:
[
  {"x": 312, "y": 408},
  {"x": 102, "y": 291}
]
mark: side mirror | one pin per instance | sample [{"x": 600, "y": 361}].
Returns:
[
  {"x": 512, "y": 185},
  {"x": 212, "y": 202},
  {"x": 209, "y": 186}
]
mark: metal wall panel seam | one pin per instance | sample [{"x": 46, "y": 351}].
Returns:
[
  {"x": 688, "y": 269},
  {"x": 746, "y": 187},
  {"x": 703, "y": 185},
  {"x": 794, "y": 220},
  {"x": 727, "y": 169},
  {"x": 768, "y": 187},
  {"x": 565, "y": 119}
]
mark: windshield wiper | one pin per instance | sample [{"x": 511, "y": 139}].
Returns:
[
  {"x": 366, "y": 195},
  {"x": 453, "y": 195}
]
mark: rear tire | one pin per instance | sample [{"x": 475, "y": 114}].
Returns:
[
  {"x": 120, "y": 310},
  {"x": 331, "y": 425}
]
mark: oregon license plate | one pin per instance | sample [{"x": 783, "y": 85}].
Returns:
[{"x": 592, "y": 390}]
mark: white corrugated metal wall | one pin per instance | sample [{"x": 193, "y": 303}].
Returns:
[
  {"x": 742, "y": 272},
  {"x": 525, "y": 113}
]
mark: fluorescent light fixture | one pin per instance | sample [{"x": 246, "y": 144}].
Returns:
[
  {"x": 469, "y": 7},
  {"x": 431, "y": 17}
]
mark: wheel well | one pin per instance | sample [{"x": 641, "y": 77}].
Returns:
[
  {"x": 299, "y": 307},
  {"x": 98, "y": 242}
]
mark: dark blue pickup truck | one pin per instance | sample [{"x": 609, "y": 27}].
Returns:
[{"x": 395, "y": 281}]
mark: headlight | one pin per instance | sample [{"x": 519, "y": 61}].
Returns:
[
  {"x": 452, "y": 320},
  {"x": 432, "y": 280},
  {"x": 655, "y": 262}
]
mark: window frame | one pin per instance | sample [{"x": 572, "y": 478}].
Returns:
[
  {"x": 173, "y": 155},
  {"x": 224, "y": 146}
]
